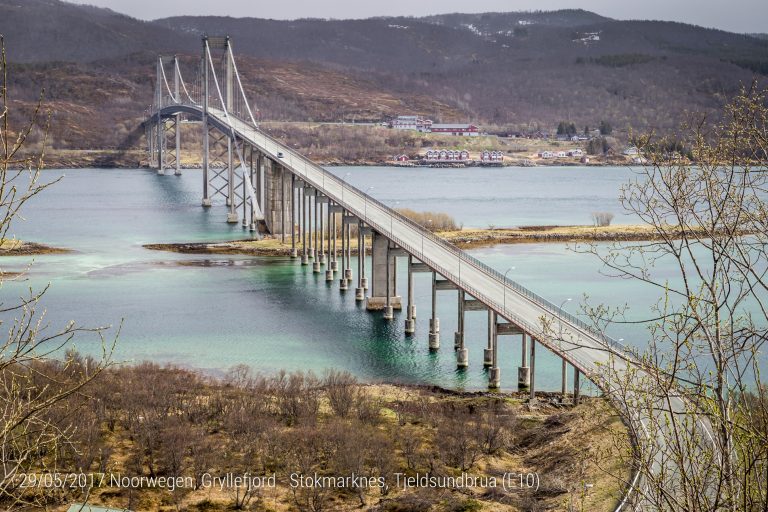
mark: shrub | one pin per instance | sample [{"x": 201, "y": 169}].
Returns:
[
  {"x": 433, "y": 221},
  {"x": 601, "y": 219}
]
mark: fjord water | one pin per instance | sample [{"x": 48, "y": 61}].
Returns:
[{"x": 211, "y": 312}]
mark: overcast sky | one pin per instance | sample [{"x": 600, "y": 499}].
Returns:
[{"x": 733, "y": 15}]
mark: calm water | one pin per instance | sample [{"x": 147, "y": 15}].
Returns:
[{"x": 214, "y": 312}]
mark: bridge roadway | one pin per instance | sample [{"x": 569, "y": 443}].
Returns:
[{"x": 598, "y": 357}]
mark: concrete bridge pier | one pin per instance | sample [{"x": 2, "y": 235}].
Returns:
[
  {"x": 316, "y": 263},
  {"x": 334, "y": 233},
  {"x": 343, "y": 285},
  {"x": 294, "y": 252},
  {"x": 348, "y": 220},
  {"x": 462, "y": 354},
  {"x": 331, "y": 254},
  {"x": 303, "y": 224},
  {"x": 523, "y": 371},
  {"x": 410, "y": 323},
  {"x": 271, "y": 195},
  {"x": 361, "y": 251},
  {"x": 388, "y": 311},
  {"x": 323, "y": 200},
  {"x": 309, "y": 193},
  {"x": 434, "y": 322},
  {"x": 533, "y": 369},
  {"x": 458, "y": 336},
  {"x": 488, "y": 350},
  {"x": 383, "y": 276},
  {"x": 360, "y": 291},
  {"x": 494, "y": 373}
]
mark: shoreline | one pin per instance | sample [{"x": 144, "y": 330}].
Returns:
[
  {"x": 137, "y": 159},
  {"x": 21, "y": 248},
  {"x": 464, "y": 239}
]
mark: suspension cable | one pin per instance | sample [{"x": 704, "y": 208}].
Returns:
[
  {"x": 238, "y": 149},
  {"x": 240, "y": 85},
  {"x": 165, "y": 81},
  {"x": 181, "y": 81}
]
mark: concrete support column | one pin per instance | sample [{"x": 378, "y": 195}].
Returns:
[
  {"x": 458, "y": 336},
  {"x": 348, "y": 264},
  {"x": 310, "y": 202},
  {"x": 523, "y": 371},
  {"x": 329, "y": 268},
  {"x": 410, "y": 323},
  {"x": 303, "y": 226},
  {"x": 434, "y": 322},
  {"x": 361, "y": 250},
  {"x": 494, "y": 373},
  {"x": 293, "y": 216},
  {"x": 334, "y": 254},
  {"x": 462, "y": 354},
  {"x": 388, "y": 311},
  {"x": 533, "y": 368},
  {"x": 383, "y": 275},
  {"x": 283, "y": 206},
  {"x": 316, "y": 252},
  {"x": 271, "y": 190},
  {"x": 576, "y": 386},
  {"x": 488, "y": 350},
  {"x": 360, "y": 291},
  {"x": 344, "y": 242},
  {"x": 321, "y": 245}
]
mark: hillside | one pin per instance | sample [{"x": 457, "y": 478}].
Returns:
[{"x": 518, "y": 70}]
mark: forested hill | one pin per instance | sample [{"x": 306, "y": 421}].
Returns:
[{"x": 516, "y": 69}]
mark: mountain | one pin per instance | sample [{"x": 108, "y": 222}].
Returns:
[
  {"x": 521, "y": 70},
  {"x": 51, "y": 30}
]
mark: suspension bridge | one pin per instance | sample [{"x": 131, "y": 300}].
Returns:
[{"x": 267, "y": 186}]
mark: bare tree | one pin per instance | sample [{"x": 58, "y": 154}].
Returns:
[
  {"x": 702, "y": 363},
  {"x": 35, "y": 377}
]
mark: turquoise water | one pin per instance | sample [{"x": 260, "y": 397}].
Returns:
[{"x": 211, "y": 313}]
